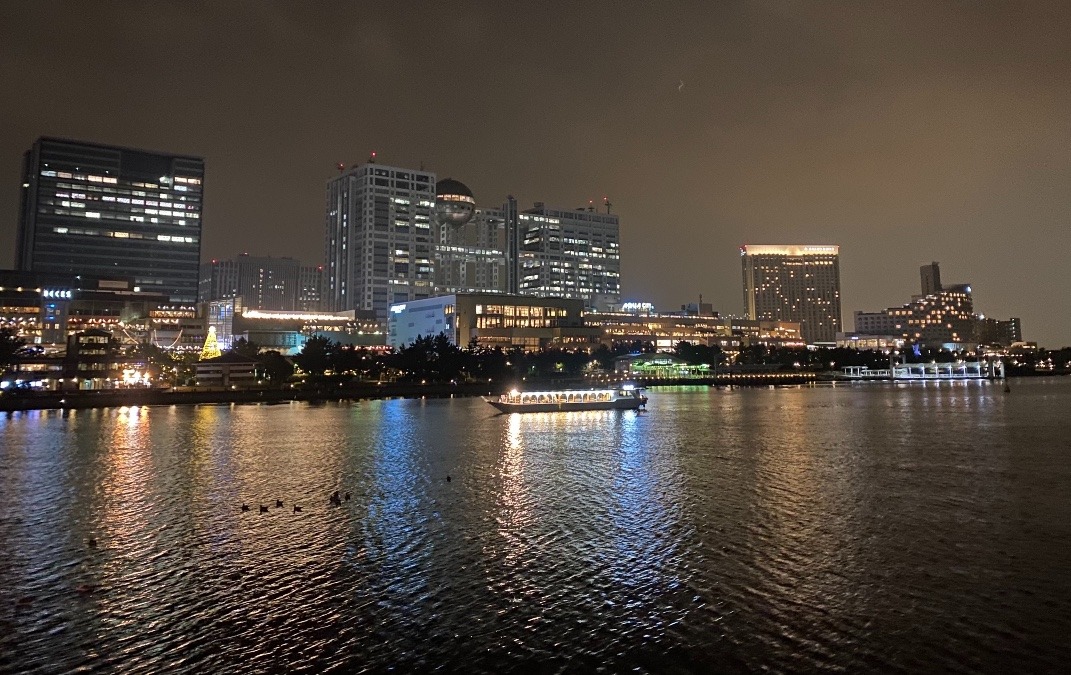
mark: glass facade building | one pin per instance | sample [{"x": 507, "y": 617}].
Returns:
[{"x": 103, "y": 211}]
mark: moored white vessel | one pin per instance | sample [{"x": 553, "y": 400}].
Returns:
[{"x": 625, "y": 397}]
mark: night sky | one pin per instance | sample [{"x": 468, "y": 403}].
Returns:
[{"x": 904, "y": 132}]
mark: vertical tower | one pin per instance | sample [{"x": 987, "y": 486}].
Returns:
[
  {"x": 378, "y": 238},
  {"x": 931, "y": 279},
  {"x": 513, "y": 245},
  {"x": 794, "y": 283},
  {"x": 104, "y": 211}
]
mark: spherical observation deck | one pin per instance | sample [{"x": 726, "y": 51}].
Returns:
[{"x": 454, "y": 203}]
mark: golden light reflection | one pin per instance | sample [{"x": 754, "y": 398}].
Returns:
[
  {"x": 514, "y": 501},
  {"x": 126, "y": 486},
  {"x": 515, "y": 431}
]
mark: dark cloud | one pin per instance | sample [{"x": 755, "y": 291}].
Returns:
[{"x": 905, "y": 132}]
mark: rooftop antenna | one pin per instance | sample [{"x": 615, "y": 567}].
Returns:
[
  {"x": 606, "y": 202},
  {"x": 591, "y": 205},
  {"x": 372, "y": 158},
  {"x": 341, "y": 167}
]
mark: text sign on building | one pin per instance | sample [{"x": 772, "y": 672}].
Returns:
[{"x": 57, "y": 294}]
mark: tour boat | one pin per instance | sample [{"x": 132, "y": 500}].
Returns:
[{"x": 625, "y": 397}]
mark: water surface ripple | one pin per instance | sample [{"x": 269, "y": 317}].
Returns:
[{"x": 856, "y": 528}]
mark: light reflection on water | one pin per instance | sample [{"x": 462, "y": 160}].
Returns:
[{"x": 890, "y": 528}]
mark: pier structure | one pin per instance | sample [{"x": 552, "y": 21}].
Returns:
[{"x": 958, "y": 370}]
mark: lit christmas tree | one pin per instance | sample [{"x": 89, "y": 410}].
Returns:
[{"x": 211, "y": 348}]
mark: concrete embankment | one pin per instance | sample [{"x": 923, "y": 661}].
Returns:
[
  {"x": 328, "y": 392},
  {"x": 336, "y": 391}
]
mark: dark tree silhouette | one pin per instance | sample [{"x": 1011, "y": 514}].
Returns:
[{"x": 315, "y": 356}]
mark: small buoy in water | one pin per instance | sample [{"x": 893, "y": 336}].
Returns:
[
  {"x": 297, "y": 509},
  {"x": 278, "y": 503},
  {"x": 92, "y": 543},
  {"x": 448, "y": 478},
  {"x": 263, "y": 509},
  {"x": 245, "y": 507}
]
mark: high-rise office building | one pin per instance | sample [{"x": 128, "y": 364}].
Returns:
[
  {"x": 394, "y": 235},
  {"x": 103, "y": 211},
  {"x": 379, "y": 238},
  {"x": 538, "y": 252},
  {"x": 263, "y": 282},
  {"x": 794, "y": 283},
  {"x": 569, "y": 254}
]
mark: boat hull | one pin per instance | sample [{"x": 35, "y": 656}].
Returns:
[{"x": 617, "y": 404}]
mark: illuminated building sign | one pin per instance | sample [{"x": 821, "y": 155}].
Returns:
[
  {"x": 57, "y": 294},
  {"x": 792, "y": 250},
  {"x": 638, "y": 308}
]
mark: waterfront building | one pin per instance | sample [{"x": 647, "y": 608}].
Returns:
[
  {"x": 104, "y": 211},
  {"x": 492, "y": 319},
  {"x": 695, "y": 324},
  {"x": 870, "y": 342},
  {"x": 997, "y": 332},
  {"x": 228, "y": 370},
  {"x": 287, "y": 332},
  {"x": 638, "y": 322},
  {"x": 92, "y": 359},
  {"x": 794, "y": 283},
  {"x": 263, "y": 282},
  {"x": 943, "y": 317},
  {"x": 660, "y": 366},
  {"x": 46, "y": 309},
  {"x": 876, "y": 323},
  {"x": 379, "y": 238}
]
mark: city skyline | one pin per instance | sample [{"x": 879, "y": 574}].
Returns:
[{"x": 903, "y": 136}]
